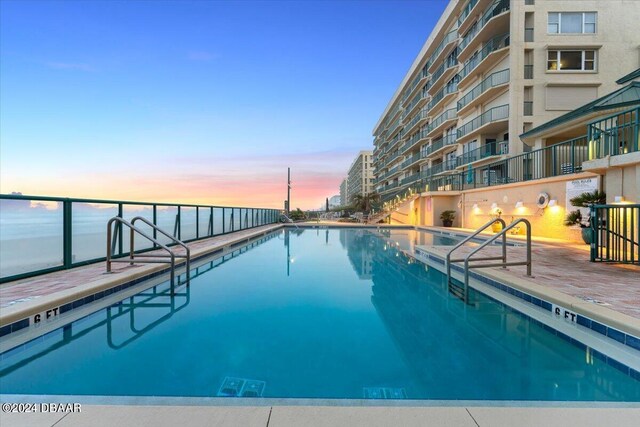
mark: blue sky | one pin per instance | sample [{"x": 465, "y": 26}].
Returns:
[{"x": 197, "y": 101}]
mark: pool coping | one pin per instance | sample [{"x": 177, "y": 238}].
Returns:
[{"x": 18, "y": 317}]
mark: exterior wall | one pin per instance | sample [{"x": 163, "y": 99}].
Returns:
[
  {"x": 623, "y": 181},
  {"x": 344, "y": 192},
  {"x": 359, "y": 180},
  {"x": 617, "y": 54}
]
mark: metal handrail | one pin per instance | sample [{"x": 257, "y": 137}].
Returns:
[
  {"x": 164, "y": 233},
  {"x": 111, "y": 247},
  {"x": 290, "y": 220},
  {"x": 478, "y": 231},
  {"x": 504, "y": 262}
]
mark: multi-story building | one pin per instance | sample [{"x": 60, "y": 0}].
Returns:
[
  {"x": 344, "y": 192},
  {"x": 334, "y": 201},
  {"x": 360, "y": 178},
  {"x": 490, "y": 71}
]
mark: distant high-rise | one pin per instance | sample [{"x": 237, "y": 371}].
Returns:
[
  {"x": 344, "y": 192},
  {"x": 360, "y": 178}
]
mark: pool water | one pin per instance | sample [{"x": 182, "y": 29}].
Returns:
[{"x": 311, "y": 313}]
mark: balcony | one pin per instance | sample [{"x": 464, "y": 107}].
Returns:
[
  {"x": 528, "y": 108},
  {"x": 410, "y": 160},
  {"x": 443, "y": 96},
  {"x": 416, "y": 139},
  {"x": 389, "y": 187},
  {"x": 443, "y": 49},
  {"x": 418, "y": 101},
  {"x": 438, "y": 146},
  {"x": 528, "y": 72},
  {"x": 416, "y": 121},
  {"x": 486, "y": 151},
  {"x": 490, "y": 121},
  {"x": 417, "y": 82},
  {"x": 487, "y": 89},
  {"x": 465, "y": 20},
  {"x": 444, "y": 73},
  {"x": 449, "y": 117},
  {"x": 495, "y": 49},
  {"x": 410, "y": 179},
  {"x": 495, "y": 20},
  {"x": 528, "y": 35}
]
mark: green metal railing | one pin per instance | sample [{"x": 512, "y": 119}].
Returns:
[
  {"x": 489, "y": 149},
  {"x": 490, "y": 46},
  {"x": 44, "y": 234},
  {"x": 494, "y": 114},
  {"x": 615, "y": 134},
  {"x": 492, "y": 80},
  {"x": 466, "y": 11},
  {"x": 446, "y": 115},
  {"x": 615, "y": 233}
]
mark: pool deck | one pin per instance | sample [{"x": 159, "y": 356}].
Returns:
[
  {"x": 327, "y": 416},
  {"x": 562, "y": 268}
]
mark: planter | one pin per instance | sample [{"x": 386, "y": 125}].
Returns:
[
  {"x": 587, "y": 235},
  {"x": 496, "y": 227},
  {"x": 447, "y": 223}
]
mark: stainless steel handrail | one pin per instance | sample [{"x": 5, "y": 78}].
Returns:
[
  {"x": 504, "y": 263},
  {"x": 164, "y": 233},
  {"x": 111, "y": 248},
  {"x": 478, "y": 231},
  {"x": 290, "y": 220}
]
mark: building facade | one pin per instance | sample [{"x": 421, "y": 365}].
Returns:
[
  {"x": 344, "y": 192},
  {"x": 360, "y": 177},
  {"x": 490, "y": 71},
  {"x": 334, "y": 201}
]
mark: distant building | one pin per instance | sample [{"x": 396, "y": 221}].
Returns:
[
  {"x": 344, "y": 192},
  {"x": 334, "y": 201},
  {"x": 360, "y": 178}
]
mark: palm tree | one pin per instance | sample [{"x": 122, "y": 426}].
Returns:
[{"x": 365, "y": 202}]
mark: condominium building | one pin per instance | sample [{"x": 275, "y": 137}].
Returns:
[
  {"x": 360, "y": 177},
  {"x": 344, "y": 192},
  {"x": 490, "y": 71}
]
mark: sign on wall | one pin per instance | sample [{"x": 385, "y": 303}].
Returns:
[{"x": 579, "y": 186}]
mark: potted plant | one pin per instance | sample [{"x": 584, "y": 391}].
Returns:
[
  {"x": 584, "y": 200},
  {"x": 496, "y": 227},
  {"x": 447, "y": 218}
]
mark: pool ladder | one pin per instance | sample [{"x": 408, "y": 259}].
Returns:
[
  {"x": 169, "y": 258},
  {"x": 503, "y": 257},
  {"x": 287, "y": 219}
]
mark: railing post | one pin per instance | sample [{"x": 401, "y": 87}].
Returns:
[
  {"x": 223, "y": 219},
  {"x": 155, "y": 222},
  {"x": 197, "y": 222},
  {"x": 594, "y": 233},
  {"x": 120, "y": 231},
  {"x": 67, "y": 247}
]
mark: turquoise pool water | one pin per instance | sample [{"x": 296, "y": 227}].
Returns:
[{"x": 312, "y": 313}]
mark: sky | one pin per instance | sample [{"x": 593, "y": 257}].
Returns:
[{"x": 202, "y": 102}]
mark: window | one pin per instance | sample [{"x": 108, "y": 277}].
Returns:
[
  {"x": 571, "y": 60},
  {"x": 572, "y": 22}
]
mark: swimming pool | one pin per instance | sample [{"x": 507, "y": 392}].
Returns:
[{"x": 312, "y": 313}]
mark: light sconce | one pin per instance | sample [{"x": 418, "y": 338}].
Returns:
[
  {"x": 618, "y": 199},
  {"x": 494, "y": 205},
  {"x": 519, "y": 204},
  {"x": 475, "y": 206},
  {"x": 553, "y": 203}
]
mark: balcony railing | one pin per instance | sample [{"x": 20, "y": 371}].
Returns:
[
  {"x": 447, "y": 115},
  {"x": 468, "y": 36},
  {"x": 448, "y": 89},
  {"x": 497, "y": 148},
  {"x": 492, "y": 11},
  {"x": 411, "y": 178},
  {"x": 559, "y": 159},
  {"x": 411, "y": 160},
  {"x": 492, "y": 115},
  {"x": 528, "y": 34},
  {"x": 528, "y": 72},
  {"x": 450, "y": 37},
  {"x": 490, "y": 46},
  {"x": 614, "y": 135},
  {"x": 421, "y": 134},
  {"x": 441, "y": 143},
  {"x": 492, "y": 80},
  {"x": 416, "y": 99},
  {"x": 422, "y": 114},
  {"x": 528, "y": 108},
  {"x": 72, "y": 232},
  {"x": 466, "y": 11}
]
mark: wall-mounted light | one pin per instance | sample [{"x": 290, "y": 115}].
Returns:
[
  {"x": 553, "y": 202},
  {"x": 519, "y": 204},
  {"x": 494, "y": 205},
  {"x": 475, "y": 206},
  {"x": 618, "y": 199}
]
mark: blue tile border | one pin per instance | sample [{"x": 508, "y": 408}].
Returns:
[
  {"x": 615, "y": 334},
  {"x": 24, "y": 323}
]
